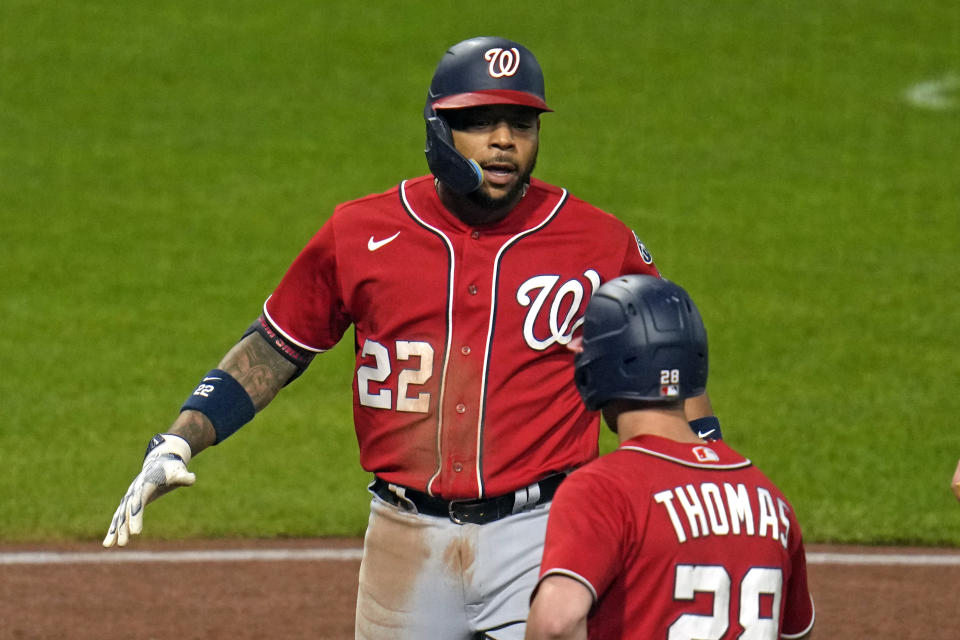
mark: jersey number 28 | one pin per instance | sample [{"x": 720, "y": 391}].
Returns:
[{"x": 756, "y": 583}]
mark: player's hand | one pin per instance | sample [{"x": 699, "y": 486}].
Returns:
[
  {"x": 956, "y": 481},
  {"x": 164, "y": 469}
]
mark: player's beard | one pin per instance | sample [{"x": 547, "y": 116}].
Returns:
[{"x": 485, "y": 201}]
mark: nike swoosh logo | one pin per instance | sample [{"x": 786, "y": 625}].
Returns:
[
  {"x": 373, "y": 245},
  {"x": 205, "y": 379},
  {"x": 704, "y": 434}
]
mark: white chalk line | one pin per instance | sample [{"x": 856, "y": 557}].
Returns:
[
  {"x": 212, "y": 555},
  {"x": 879, "y": 560},
  {"x": 354, "y": 554}
]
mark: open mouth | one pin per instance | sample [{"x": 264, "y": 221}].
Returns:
[{"x": 499, "y": 172}]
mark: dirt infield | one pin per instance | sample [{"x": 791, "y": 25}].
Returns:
[{"x": 315, "y": 598}]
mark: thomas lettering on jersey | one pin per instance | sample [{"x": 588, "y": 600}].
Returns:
[{"x": 707, "y": 509}]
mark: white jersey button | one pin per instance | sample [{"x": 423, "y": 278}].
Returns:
[{"x": 461, "y": 408}]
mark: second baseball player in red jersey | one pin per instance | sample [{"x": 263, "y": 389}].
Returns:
[
  {"x": 433, "y": 342},
  {"x": 669, "y": 536},
  {"x": 668, "y": 567}
]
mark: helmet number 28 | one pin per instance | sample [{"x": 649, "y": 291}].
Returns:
[{"x": 669, "y": 376}]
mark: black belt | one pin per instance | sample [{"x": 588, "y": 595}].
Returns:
[{"x": 479, "y": 511}]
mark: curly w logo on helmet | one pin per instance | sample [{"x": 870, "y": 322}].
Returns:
[{"x": 503, "y": 62}]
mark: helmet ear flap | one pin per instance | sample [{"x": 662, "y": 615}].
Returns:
[{"x": 460, "y": 174}]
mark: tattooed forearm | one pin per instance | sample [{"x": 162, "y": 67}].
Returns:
[
  {"x": 262, "y": 372},
  {"x": 259, "y": 368},
  {"x": 196, "y": 429}
]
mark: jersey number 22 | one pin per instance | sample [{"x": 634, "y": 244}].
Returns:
[{"x": 383, "y": 399}]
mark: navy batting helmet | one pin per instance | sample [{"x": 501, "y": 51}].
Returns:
[
  {"x": 643, "y": 339},
  {"x": 473, "y": 73}
]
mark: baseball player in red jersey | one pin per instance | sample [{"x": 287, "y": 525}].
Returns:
[
  {"x": 669, "y": 536},
  {"x": 464, "y": 288}
]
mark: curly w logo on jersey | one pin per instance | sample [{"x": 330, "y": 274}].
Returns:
[{"x": 571, "y": 296}]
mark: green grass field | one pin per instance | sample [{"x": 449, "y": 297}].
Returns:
[{"x": 161, "y": 164}]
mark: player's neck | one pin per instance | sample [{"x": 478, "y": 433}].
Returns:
[
  {"x": 472, "y": 213},
  {"x": 670, "y": 423}
]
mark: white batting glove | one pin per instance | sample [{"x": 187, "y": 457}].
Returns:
[{"x": 164, "y": 469}]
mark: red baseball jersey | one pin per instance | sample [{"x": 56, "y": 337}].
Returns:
[
  {"x": 464, "y": 384},
  {"x": 680, "y": 541}
]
